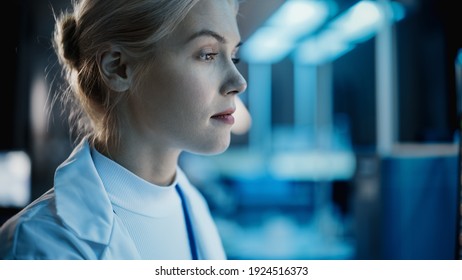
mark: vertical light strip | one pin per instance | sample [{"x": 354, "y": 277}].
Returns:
[
  {"x": 324, "y": 118},
  {"x": 259, "y": 90},
  {"x": 305, "y": 94},
  {"x": 458, "y": 70},
  {"x": 386, "y": 101}
]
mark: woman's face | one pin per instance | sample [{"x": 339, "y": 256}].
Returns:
[{"x": 187, "y": 97}]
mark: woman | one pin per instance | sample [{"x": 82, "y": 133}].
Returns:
[{"x": 152, "y": 78}]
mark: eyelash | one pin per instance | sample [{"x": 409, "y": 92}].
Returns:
[
  {"x": 211, "y": 56},
  {"x": 207, "y": 56}
]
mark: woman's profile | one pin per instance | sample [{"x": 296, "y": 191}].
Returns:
[{"x": 147, "y": 80}]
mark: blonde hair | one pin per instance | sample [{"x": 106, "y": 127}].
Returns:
[{"x": 82, "y": 34}]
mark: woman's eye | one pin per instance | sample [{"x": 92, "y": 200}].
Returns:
[
  {"x": 207, "y": 56},
  {"x": 236, "y": 60}
]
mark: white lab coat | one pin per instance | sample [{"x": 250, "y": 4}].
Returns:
[{"x": 75, "y": 219}]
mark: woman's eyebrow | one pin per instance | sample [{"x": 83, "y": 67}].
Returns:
[
  {"x": 207, "y": 33},
  {"x": 210, "y": 33}
]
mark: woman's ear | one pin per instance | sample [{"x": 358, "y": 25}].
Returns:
[{"x": 115, "y": 69}]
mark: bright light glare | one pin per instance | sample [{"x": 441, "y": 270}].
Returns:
[
  {"x": 15, "y": 175},
  {"x": 323, "y": 48},
  {"x": 243, "y": 118},
  {"x": 266, "y": 46},
  {"x": 360, "y": 22},
  {"x": 313, "y": 165},
  {"x": 299, "y": 17},
  {"x": 277, "y": 37}
]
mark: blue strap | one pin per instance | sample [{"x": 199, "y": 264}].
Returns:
[{"x": 192, "y": 240}]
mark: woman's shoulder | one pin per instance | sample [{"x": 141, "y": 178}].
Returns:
[
  {"x": 42, "y": 209},
  {"x": 36, "y": 232}
]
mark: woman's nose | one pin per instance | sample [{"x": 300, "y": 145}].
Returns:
[{"x": 236, "y": 83}]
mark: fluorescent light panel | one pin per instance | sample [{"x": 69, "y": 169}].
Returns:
[
  {"x": 321, "y": 48},
  {"x": 358, "y": 24},
  {"x": 299, "y": 17},
  {"x": 277, "y": 37},
  {"x": 313, "y": 165}
]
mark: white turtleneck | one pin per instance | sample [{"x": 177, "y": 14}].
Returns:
[{"x": 153, "y": 215}]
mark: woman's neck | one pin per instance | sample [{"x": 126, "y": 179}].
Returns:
[{"x": 154, "y": 164}]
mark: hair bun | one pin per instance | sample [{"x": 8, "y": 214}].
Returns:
[{"x": 67, "y": 39}]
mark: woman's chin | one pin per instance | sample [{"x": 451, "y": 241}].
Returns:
[{"x": 212, "y": 148}]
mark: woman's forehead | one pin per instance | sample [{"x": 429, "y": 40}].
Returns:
[{"x": 216, "y": 15}]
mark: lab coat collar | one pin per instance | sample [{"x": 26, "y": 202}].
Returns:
[
  {"x": 81, "y": 200},
  {"x": 207, "y": 238},
  {"x": 84, "y": 207}
]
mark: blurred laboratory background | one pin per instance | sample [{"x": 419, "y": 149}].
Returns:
[{"x": 353, "y": 147}]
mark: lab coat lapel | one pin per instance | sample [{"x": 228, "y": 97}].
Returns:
[
  {"x": 122, "y": 246},
  {"x": 84, "y": 207},
  {"x": 81, "y": 200}
]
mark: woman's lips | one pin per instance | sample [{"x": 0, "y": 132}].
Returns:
[{"x": 225, "y": 116}]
